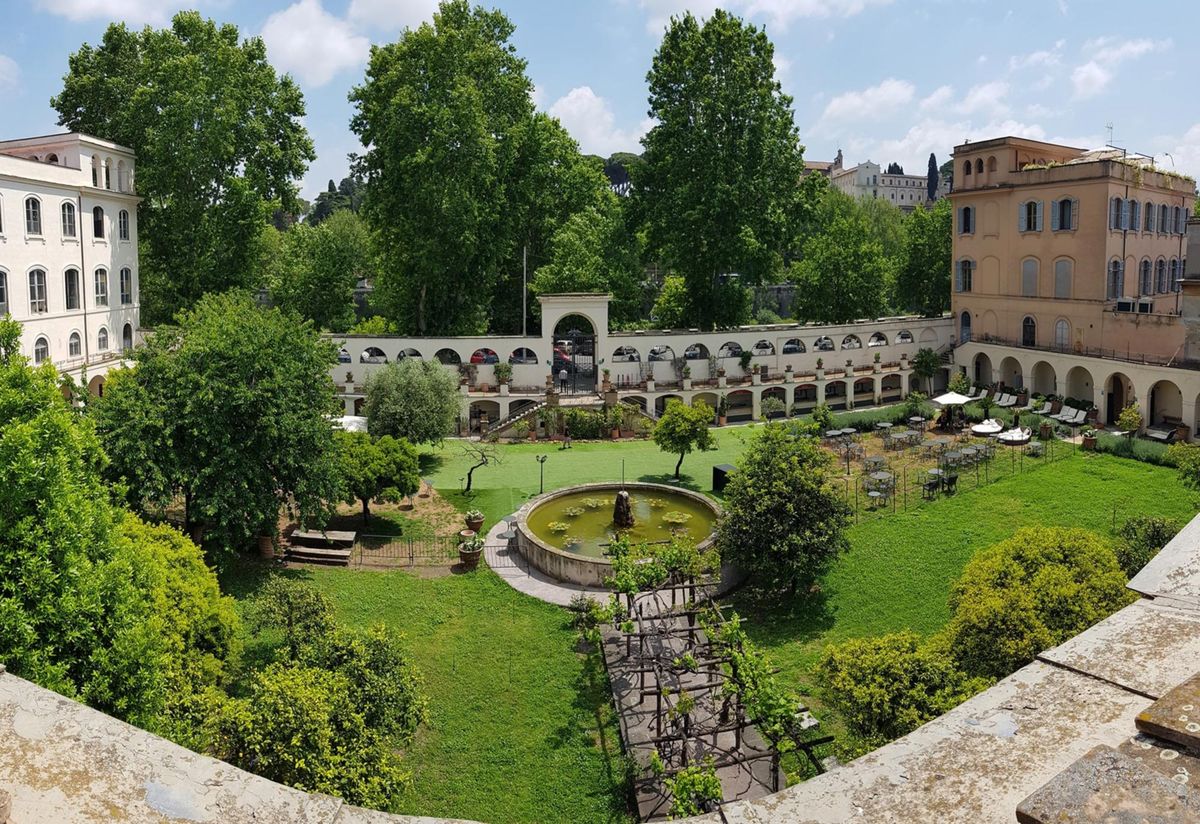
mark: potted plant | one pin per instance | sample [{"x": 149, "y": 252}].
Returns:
[
  {"x": 877, "y": 358},
  {"x": 474, "y": 519},
  {"x": 722, "y": 410},
  {"x": 820, "y": 363},
  {"x": 685, "y": 375},
  {"x": 614, "y": 423},
  {"x": 469, "y": 551},
  {"x": 607, "y": 379},
  {"x": 1046, "y": 430},
  {"x": 503, "y": 373},
  {"x": 744, "y": 360},
  {"x": 1089, "y": 439}
]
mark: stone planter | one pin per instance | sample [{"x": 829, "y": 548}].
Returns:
[
  {"x": 616, "y": 434},
  {"x": 649, "y": 386},
  {"x": 1089, "y": 443},
  {"x": 469, "y": 558},
  {"x": 687, "y": 384},
  {"x": 503, "y": 389},
  {"x": 266, "y": 547},
  {"x": 475, "y": 525},
  {"x": 722, "y": 381},
  {"x": 756, "y": 379},
  {"x": 722, "y": 420}
]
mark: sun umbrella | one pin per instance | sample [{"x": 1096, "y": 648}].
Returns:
[{"x": 951, "y": 399}]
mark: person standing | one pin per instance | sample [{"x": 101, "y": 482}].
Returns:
[{"x": 562, "y": 380}]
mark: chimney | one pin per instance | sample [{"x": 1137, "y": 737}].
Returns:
[{"x": 1189, "y": 307}]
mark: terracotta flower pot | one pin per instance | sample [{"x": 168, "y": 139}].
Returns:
[
  {"x": 1089, "y": 443},
  {"x": 266, "y": 547},
  {"x": 466, "y": 534},
  {"x": 475, "y": 525},
  {"x": 468, "y": 558}
]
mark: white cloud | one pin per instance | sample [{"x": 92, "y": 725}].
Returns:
[
  {"x": 872, "y": 103},
  {"x": 590, "y": 120},
  {"x": 1184, "y": 151},
  {"x": 392, "y": 14},
  {"x": 10, "y": 73},
  {"x": 134, "y": 12},
  {"x": 779, "y": 13},
  {"x": 1091, "y": 78},
  {"x": 1043, "y": 59},
  {"x": 941, "y": 136},
  {"x": 312, "y": 44},
  {"x": 940, "y": 97},
  {"x": 986, "y": 98}
]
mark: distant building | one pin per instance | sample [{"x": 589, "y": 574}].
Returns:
[
  {"x": 68, "y": 250},
  {"x": 868, "y": 180},
  {"x": 823, "y": 167}
]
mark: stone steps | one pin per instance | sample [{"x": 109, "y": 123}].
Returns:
[{"x": 1176, "y": 716}]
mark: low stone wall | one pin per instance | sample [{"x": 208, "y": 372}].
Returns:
[{"x": 571, "y": 567}]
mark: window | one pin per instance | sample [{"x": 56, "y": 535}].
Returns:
[
  {"x": 1174, "y": 273},
  {"x": 101, "y": 287},
  {"x": 68, "y": 220},
  {"x": 98, "y": 223},
  {"x": 966, "y": 221},
  {"x": 1062, "y": 215},
  {"x": 71, "y": 288},
  {"x": 1028, "y": 332},
  {"x": 963, "y": 277},
  {"x": 1063, "y": 274},
  {"x": 126, "y": 286},
  {"x": 1149, "y": 220},
  {"x": 964, "y": 327},
  {"x": 1062, "y": 334},
  {"x": 1161, "y": 273},
  {"x": 74, "y": 345},
  {"x": 1146, "y": 279},
  {"x": 1116, "y": 211},
  {"x": 3, "y": 293},
  {"x": 1164, "y": 219},
  {"x": 108, "y": 173},
  {"x": 127, "y": 338},
  {"x": 991, "y": 167},
  {"x": 37, "y": 292},
  {"x": 1116, "y": 279},
  {"x": 979, "y": 165},
  {"x": 95, "y": 172},
  {"x": 123, "y": 225},
  {"x": 1135, "y": 215},
  {"x": 1178, "y": 221},
  {"x": 1, "y": 217},
  {"x": 33, "y": 216},
  {"x": 41, "y": 350},
  {"x": 1029, "y": 277},
  {"x": 1029, "y": 218},
  {"x": 102, "y": 339},
  {"x": 967, "y": 169}
]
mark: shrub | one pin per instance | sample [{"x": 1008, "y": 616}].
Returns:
[
  {"x": 960, "y": 383},
  {"x": 822, "y": 416},
  {"x": 1185, "y": 457},
  {"x": 586, "y": 424},
  {"x": 1142, "y": 536},
  {"x": 1137, "y": 449},
  {"x": 299, "y": 611},
  {"x": 888, "y": 686},
  {"x": 1033, "y": 591}
]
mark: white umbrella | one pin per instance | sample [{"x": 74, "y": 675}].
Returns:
[
  {"x": 951, "y": 399},
  {"x": 351, "y": 423}
]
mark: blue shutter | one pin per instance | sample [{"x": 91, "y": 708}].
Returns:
[
  {"x": 1074, "y": 213},
  {"x": 960, "y": 220},
  {"x": 1054, "y": 225},
  {"x": 1125, "y": 215},
  {"x": 1038, "y": 216},
  {"x": 1022, "y": 224},
  {"x": 958, "y": 276}
]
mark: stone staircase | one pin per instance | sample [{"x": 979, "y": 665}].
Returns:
[{"x": 524, "y": 413}]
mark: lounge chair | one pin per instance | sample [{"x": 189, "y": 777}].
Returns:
[
  {"x": 1006, "y": 401},
  {"x": 1045, "y": 410},
  {"x": 1164, "y": 433},
  {"x": 1067, "y": 413},
  {"x": 978, "y": 392}
]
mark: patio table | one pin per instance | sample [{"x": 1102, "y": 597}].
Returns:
[
  {"x": 881, "y": 476},
  {"x": 883, "y": 425},
  {"x": 875, "y": 462}
]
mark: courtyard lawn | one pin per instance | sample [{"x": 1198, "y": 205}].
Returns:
[{"x": 520, "y": 728}]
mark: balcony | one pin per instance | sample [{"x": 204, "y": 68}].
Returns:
[{"x": 1090, "y": 352}]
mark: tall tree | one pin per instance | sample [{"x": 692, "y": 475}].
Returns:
[
  {"x": 461, "y": 173},
  {"x": 895, "y": 168},
  {"x": 683, "y": 429},
  {"x": 346, "y": 195},
  {"x": 923, "y": 280},
  {"x": 319, "y": 267},
  {"x": 383, "y": 469},
  {"x": 219, "y": 143},
  {"x": 415, "y": 399},
  {"x": 722, "y": 163},
  {"x": 931, "y": 180},
  {"x": 844, "y": 274},
  {"x": 229, "y": 411}
]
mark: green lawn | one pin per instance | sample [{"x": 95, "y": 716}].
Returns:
[{"x": 520, "y": 728}]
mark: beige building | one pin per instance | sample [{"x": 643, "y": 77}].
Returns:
[
  {"x": 868, "y": 180},
  {"x": 1068, "y": 267}
]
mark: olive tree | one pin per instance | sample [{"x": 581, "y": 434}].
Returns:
[
  {"x": 683, "y": 429},
  {"x": 414, "y": 399}
]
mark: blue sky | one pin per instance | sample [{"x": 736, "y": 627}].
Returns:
[{"x": 881, "y": 79}]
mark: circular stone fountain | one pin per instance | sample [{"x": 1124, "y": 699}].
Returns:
[{"x": 565, "y": 533}]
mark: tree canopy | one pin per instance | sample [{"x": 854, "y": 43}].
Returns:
[
  {"x": 383, "y": 469},
  {"x": 843, "y": 275},
  {"x": 229, "y": 409},
  {"x": 718, "y": 185},
  {"x": 318, "y": 268},
  {"x": 931, "y": 178},
  {"x": 683, "y": 429},
  {"x": 923, "y": 282},
  {"x": 414, "y": 399},
  {"x": 219, "y": 142}
]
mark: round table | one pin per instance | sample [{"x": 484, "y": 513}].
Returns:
[
  {"x": 937, "y": 473},
  {"x": 942, "y": 441},
  {"x": 883, "y": 425},
  {"x": 833, "y": 433},
  {"x": 987, "y": 428},
  {"x": 916, "y": 420},
  {"x": 881, "y": 476},
  {"x": 850, "y": 431},
  {"x": 953, "y": 456}
]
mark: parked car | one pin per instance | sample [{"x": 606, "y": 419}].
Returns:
[
  {"x": 660, "y": 353},
  {"x": 733, "y": 350},
  {"x": 763, "y": 348},
  {"x": 568, "y": 347},
  {"x": 561, "y": 364},
  {"x": 793, "y": 347},
  {"x": 694, "y": 352},
  {"x": 626, "y": 354},
  {"x": 482, "y": 356}
]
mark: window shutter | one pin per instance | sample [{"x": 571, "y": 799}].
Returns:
[
  {"x": 958, "y": 283},
  {"x": 1054, "y": 226},
  {"x": 960, "y": 220},
  {"x": 1125, "y": 215},
  {"x": 1022, "y": 223},
  {"x": 1038, "y": 215}
]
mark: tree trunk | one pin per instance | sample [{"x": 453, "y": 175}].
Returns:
[
  {"x": 366, "y": 510},
  {"x": 678, "y": 464}
]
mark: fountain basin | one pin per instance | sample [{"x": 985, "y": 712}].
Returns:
[{"x": 576, "y": 555}]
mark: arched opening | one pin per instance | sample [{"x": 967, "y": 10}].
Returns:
[
  {"x": 851, "y": 342},
  {"x": 877, "y": 339},
  {"x": 660, "y": 403},
  {"x": 95, "y": 387},
  {"x": 741, "y": 405},
  {"x": 781, "y": 409},
  {"x": 74, "y": 345},
  {"x": 1118, "y": 393},
  {"x": 966, "y": 168},
  {"x": 622, "y": 354},
  {"x": 483, "y": 355},
  {"x": 904, "y": 336},
  {"x": 447, "y": 357},
  {"x": 697, "y": 351},
  {"x": 964, "y": 327},
  {"x": 1028, "y": 331},
  {"x": 793, "y": 346},
  {"x": 763, "y": 348},
  {"x": 575, "y": 352},
  {"x": 359, "y": 405},
  {"x": 730, "y": 349},
  {"x": 102, "y": 340},
  {"x": 127, "y": 338},
  {"x": 522, "y": 355},
  {"x": 661, "y": 353},
  {"x": 1062, "y": 335},
  {"x": 1011, "y": 373},
  {"x": 1166, "y": 404},
  {"x": 408, "y": 353},
  {"x": 835, "y": 394},
  {"x": 979, "y": 166},
  {"x": 709, "y": 399},
  {"x": 864, "y": 391},
  {"x": 344, "y": 356},
  {"x": 483, "y": 414},
  {"x": 1079, "y": 385},
  {"x": 41, "y": 350},
  {"x": 890, "y": 389},
  {"x": 372, "y": 354},
  {"x": 805, "y": 398},
  {"x": 983, "y": 370},
  {"x": 823, "y": 344},
  {"x": 1045, "y": 382},
  {"x": 991, "y": 163}
]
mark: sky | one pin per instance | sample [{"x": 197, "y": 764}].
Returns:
[{"x": 882, "y": 80}]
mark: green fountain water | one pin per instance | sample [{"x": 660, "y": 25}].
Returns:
[{"x": 582, "y": 522}]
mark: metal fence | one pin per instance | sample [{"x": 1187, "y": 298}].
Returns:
[{"x": 392, "y": 551}]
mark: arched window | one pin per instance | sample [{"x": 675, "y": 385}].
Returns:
[
  {"x": 447, "y": 357},
  {"x": 1028, "y": 332},
  {"x": 1116, "y": 213},
  {"x": 1178, "y": 221},
  {"x": 991, "y": 166},
  {"x": 966, "y": 220},
  {"x": 904, "y": 337},
  {"x": 851, "y": 342},
  {"x": 964, "y": 327},
  {"x": 1161, "y": 274},
  {"x": 1164, "y": 219},
  {"x": 95, "y": 172},
  {"x": 123, "y": 225},
  {"x": 127, "y": 338},
  {"x": 1062, "y": 334},
  {"x": 1135, "y": 215},
  {"x": 122, "y": 177},
  {"x": 101, "y": 287},
  {"x": 1145, "y": 278},
  {"x": 3, "y": 293},
  {"x": 108, "y": 173},
  {"x": 102, "y": 339},
  {"x": 1148, "y": 224},
  {"x": 1029, "y": 277},
  {"x": 823, "y": 344},
  {"x": 964, "y": 275},
  {"x": 1063, "y": 275},
  {"x": 979, "y": 165},
  {"x": 372, "y": 354},
  {"x": 41, "y": 350},
  {"x": 68, "y": 219},
  {"x": 1174, "y": 273},
  {"x": 52, "y": 158},
  {"x": 74, "y": 345},
  {"x": 98, "y": 223},
  {"x": 126, "y": 286},
  {"x": 33, "y": 216},
  {"x": 1063, "y": 214},
  {"x": 1029, "y": 219},
  {"x": 1116, "y": 280},
  {"x": 967, "y": 169},
  {"x": 71, "y": 288},
  {"x": 37, "y": 292},
  {"x": 878, "y": 339}
]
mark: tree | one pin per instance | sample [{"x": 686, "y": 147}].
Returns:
[
  {"x": 1185, "y": 457},
  {"x": 946, "y": 172},
  {"x": 1031, "y": 592},
  {"x": 230, "y": 410},
  {"x": 888, "y": 686},
  {"x": 670, "y": 308},
  {"x": 925, "y": 364},
  {"x": 593, "y": 252},
  {"x": 219, "y": 144},
  {"x": 923, "y": 282},
  {"x": 1141, "y": 538},
  {"x": 298, "y": 610},
  {"x": 960, "y": 383},
  {"x": 718, "y": 185},
  {"x": 347, "y": 195},
  {"x": 931, "y": 178},
  {"x": 843, "y": 276},
  {"x": 461, "y": 174},
  {"x": 480, "y": 454},
  {"x": 683, "y": 428},
  {"x": 383, "y": 469},
  {"x": 783, "y": 522},
  {"x": 320, "y": 268},
  {"x": 1130, "y": 420},
  {"x": 414, "y": 399},
  {"x": 895, "y": 168}
]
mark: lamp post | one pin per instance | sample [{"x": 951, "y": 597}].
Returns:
[{"x": 541, "y": 459}]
